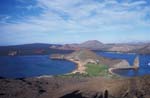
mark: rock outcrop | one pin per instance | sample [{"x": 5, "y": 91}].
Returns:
[
  {"x": 122, "y": 64},
  {"x": 125, "y": 64},
  {"x": 136, "y": 63}
]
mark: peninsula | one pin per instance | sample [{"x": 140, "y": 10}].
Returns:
[{"x": 84, "y": 56}]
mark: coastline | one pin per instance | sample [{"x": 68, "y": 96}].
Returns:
[
  {"x": 110, "y": 70},
  {"x": 80, "y": 67}
]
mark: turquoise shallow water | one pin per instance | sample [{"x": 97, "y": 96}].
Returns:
[
  {"x": 31, "y": 66},
  {"x": 144, "y": 63}
]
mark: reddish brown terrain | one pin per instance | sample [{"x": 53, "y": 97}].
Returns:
[
  {"x": 39, "y": 48},
  {"x": 141, "y": 48},
  {"x": 75, "y": 87}
]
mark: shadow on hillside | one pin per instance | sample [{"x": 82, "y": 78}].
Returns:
[{"x": 77, "y": 94}]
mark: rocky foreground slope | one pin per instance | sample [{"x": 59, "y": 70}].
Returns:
[{"x": 75, "y": 87}]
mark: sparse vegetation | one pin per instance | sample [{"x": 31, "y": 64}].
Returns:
[
  {"x": 92, "y": 70},
  {"x": 96, "y": 70},
  {"x": 77, "y": 75}
]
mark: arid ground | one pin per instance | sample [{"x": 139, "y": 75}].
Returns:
[{"x": 75, "y": 87}]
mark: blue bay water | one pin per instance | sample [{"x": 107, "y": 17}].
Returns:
[
  {"x": 31, "y": 66},
  {"x": 144, "y": 63},
  {"x": 38, "y": 65}
]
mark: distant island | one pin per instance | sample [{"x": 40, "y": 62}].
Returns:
[
  {"x": 140, "y": 48},
  {"x": 39, "y": 48}
]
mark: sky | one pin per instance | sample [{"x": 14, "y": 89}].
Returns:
[{"x": 74, "y": 21}]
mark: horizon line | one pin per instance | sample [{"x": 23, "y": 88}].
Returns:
[{"x": 64, "y": 43}]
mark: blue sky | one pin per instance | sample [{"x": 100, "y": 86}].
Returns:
[{"x": 74, "y": 21}]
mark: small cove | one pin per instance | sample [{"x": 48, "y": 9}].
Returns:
[
  {"x": 144, "y": 63},
  {"x": 32, "y": 66}
]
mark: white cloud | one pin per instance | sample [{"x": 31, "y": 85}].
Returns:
[{"x": 72, "y": 16}]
